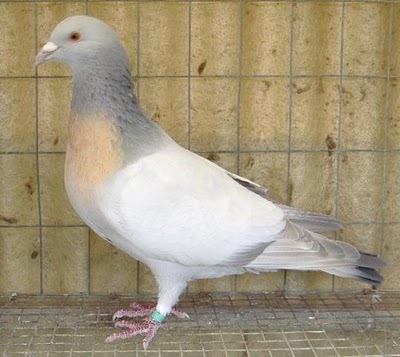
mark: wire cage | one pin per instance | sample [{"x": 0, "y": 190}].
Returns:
[{"x": 300, "y": 96}]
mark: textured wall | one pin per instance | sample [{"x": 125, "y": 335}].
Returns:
[{"x": 300, "y": 96}]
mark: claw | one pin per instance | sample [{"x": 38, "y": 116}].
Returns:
[
  {"x": 120, "y": 313},
  {"x": 179, "y": 314},
  {"x": 147, "y": 327},
  {"x": 135, "y": 310},
  {"x": 120, "y": 336}
]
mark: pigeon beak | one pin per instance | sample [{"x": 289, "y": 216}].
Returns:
[{"x": 45, "y": 53}]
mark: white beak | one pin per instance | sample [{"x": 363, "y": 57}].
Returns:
[{"x": 45, "y": 53}]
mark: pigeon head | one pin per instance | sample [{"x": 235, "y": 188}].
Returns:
[
  {"x": 84, "y": 41},
  {"x": 102, "y": 82}
]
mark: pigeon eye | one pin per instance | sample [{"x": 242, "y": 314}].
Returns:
[{"x": 75, "y": 36}]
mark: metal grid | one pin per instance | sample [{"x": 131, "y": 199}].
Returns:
[
  {"x": 221, "y": 325},
  {"x": 291, "y": 76}
]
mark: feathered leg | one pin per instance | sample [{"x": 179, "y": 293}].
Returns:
[
  {"x": 154, "y": 315},
  {"x": 140, "y": 310}
]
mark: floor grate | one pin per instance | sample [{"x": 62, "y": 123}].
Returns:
[{"x": 221, "y": 325}]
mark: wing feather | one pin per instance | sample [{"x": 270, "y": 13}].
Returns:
[{"x": 315, "y": 222}]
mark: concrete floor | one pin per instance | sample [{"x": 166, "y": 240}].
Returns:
[{"x": 221, "y": 325}]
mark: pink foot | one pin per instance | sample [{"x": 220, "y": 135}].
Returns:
[
  {"x": 136, "y": 310},
  {"x": 148, "y": 327}
]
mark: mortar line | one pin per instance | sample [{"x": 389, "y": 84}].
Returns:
[
  {"x": 290, "y": 102},
  {"x": 386, "y": 126},
  {"x": 254, "y": 151},
  {"x": 290, "y": 111},
  {"x": 239, "y": 94},
  {"x": 138, "y": 44},
  {"x": 189, "y": 75},
  {"x": 240, "y": 76},
  {"x": 194, "y": 75},
  {"x": 340, "y": 110},
  {"x": 37, "y": 156}
]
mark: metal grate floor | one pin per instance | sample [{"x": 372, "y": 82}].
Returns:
[{"x": 221, "y": 325}]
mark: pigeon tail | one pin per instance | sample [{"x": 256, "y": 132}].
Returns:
[
  {"x": 364, "y": 269},
  {"x": 301, "y": 249}
]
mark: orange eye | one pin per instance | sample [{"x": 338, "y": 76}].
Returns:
[{"x": 75, "y": 36}]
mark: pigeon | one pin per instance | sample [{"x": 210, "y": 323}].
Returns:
[{"x": 183, "y": 216}]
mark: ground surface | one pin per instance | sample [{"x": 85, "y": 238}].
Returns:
[{"x": 220, "y": 325}]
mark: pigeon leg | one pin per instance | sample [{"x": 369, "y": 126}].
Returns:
[
  {"x": 142, "y": 310},
  {"x": 171, "y": 284},
  {"x": 147, "y": 327}
]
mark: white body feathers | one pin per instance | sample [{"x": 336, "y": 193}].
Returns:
[{"x": 178, "y": 207}]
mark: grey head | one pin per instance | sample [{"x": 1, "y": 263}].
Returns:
[
  {"x": 82, "y": 41},
  {"x": 102, "y": 79},
  {"x": 99, "y": 63}
]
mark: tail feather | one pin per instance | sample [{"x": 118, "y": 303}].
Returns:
[
  {"x": 315, "y": 222},
  {"x": 364, "y": 275},
  {"x": 301, "y": 249},
  {"x": 363, "y": 270}
]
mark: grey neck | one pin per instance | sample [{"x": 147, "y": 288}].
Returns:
[
  {"x": 99, "y": 87},
  {"x": 111, "y": 92}
]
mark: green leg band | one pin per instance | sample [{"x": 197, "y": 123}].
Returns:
[{"x": 157, "y": 317}]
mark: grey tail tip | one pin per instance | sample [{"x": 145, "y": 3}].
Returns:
[
  {"x": 369, "y": 276},
  {"x": 367, "y": 269}
]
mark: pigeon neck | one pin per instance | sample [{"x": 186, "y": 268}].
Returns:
[
  {"x": 97, "y": 88},
  {"x": 111, "y": 93}
]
